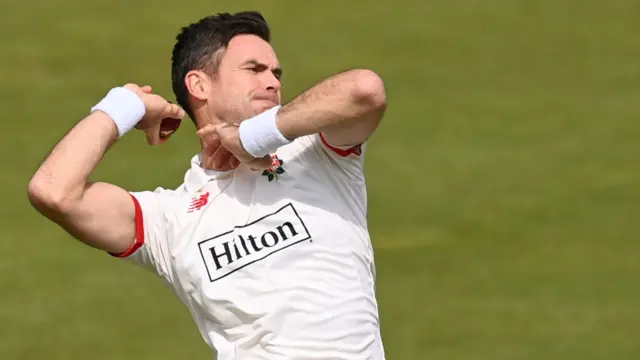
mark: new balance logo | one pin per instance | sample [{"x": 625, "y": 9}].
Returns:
[
  {"x": 233, "y": 250},
  {"x": 199, "y": 202}
]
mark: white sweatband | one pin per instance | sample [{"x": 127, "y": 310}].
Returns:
[
  {"x": 123, "y": 106},
  {"x": 260, "y": 135}
]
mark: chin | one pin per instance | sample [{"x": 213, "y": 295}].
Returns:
[{"x": 261, "y": 106}]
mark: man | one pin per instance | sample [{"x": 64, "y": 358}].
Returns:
[{"x": 266, "y": 240}]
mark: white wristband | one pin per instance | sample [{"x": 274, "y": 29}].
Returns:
[
  {"x": 123, "y": 106},
  {"x": 260, "y": 135}
]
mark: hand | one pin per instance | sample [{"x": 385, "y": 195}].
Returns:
[
  {"x": 223, "y": 140},
  {"x": 216, "y": 157},
  {"x": 157, "y": 110}
]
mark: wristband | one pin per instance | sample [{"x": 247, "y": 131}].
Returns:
[
  {"x": 123, "y": 106},
  {"x": 260, "y": 135}
]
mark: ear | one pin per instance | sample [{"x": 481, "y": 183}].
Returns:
[{"x": 198, "y": 84}]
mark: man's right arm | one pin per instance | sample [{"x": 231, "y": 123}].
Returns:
[{"x": 100, "y": 215}]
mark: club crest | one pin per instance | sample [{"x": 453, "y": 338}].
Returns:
[{"x": 276, "y": 169}]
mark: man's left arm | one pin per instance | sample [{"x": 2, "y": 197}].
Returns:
[{"x": 346, "y": 108}]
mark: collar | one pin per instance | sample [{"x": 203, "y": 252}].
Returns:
[{"x": 197, "y": 177}]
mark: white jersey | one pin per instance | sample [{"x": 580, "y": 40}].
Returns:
[{"x": 272, "y": 265}]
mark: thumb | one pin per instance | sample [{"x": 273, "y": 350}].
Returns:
[
  {"x": 147, "y": 89},
  {"x": 224, "y": 130},
  {"x": 153, "y": 136}
]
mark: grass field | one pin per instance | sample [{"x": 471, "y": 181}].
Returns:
[{"x": 504, "y": 183}]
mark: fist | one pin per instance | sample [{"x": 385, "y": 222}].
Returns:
[
  {"x": 161, "y": 118},
  {"x": 220, "y": 140}
]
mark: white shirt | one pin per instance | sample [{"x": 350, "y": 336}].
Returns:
[{"x": 273, "y": 265}]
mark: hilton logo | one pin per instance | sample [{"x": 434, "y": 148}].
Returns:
[{"x": 244, "y": 245}]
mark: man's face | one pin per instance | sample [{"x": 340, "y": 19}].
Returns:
[{"x": 247, "y": 81}]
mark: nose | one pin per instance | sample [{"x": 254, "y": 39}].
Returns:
[{"x": 272, "y": 83}]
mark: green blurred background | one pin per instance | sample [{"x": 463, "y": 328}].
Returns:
[{"x": 504, "y": 183}]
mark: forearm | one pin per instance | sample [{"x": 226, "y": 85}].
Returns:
[
  {"x": 99, "y": 214},
  {"x": 346, "y": 108},
  {"x": 351, "y": 100},
  {"x": 62, "y": 177}
]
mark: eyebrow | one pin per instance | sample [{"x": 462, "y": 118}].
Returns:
[{"x": 277, "y": 71}]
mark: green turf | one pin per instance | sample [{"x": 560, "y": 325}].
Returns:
[{"x": 504, "y": 183}]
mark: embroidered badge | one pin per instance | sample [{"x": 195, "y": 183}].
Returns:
[{"x": 276, "y": 169}]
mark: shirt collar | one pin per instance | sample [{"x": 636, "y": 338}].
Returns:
[{"x": 197, "y": 177}]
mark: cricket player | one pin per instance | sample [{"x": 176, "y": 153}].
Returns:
[{"x": 266, "y": 240}]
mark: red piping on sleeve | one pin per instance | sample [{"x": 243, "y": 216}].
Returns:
[
  {"x": 356, "y": 150},
  {"x": 139, "y": 231}
]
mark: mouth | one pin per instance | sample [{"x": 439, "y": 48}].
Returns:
[{"x": 269, "y": 100}]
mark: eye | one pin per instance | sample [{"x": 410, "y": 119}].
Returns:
[{"x": 257, "y": 68}]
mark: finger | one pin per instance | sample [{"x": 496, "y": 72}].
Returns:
[
  {"x": 234, "y": 162},
  {"x": 206, "y": 162},
  {"x": 147, "y": 89},
  {"x": 210, "y": 147},
  {"x": 174, "y": 111},
  {"x": 206, "y": 131},
  {"x": 216, "y": 160},
  {"x": 210, "y": 140},
  {"x": 262, "y": 163},
  {"x": 178, "y": 111},
  {"x": 221, "y": 158},
  {"x": 153, "y": 135},
  {"x": 225, "y": 158}
]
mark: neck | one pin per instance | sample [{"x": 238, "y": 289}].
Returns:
[{"x": 202, "y": 120}]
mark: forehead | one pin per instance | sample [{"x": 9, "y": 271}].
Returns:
[{"x": 245, "y": 47}]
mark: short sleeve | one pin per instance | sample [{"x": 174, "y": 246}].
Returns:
[
  {"x": 151, "y": 247},
  {"x": 345, "y": 152},
  {"x": 347, "y": 160}
]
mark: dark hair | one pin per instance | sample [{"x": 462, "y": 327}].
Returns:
[{"x": 198, "y": 45}]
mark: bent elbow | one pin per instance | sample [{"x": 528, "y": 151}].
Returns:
[
  {"x": 369, "y": 89},
  {"x": 45, "y": 199},
  {"x": 39, "y": 196}
]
